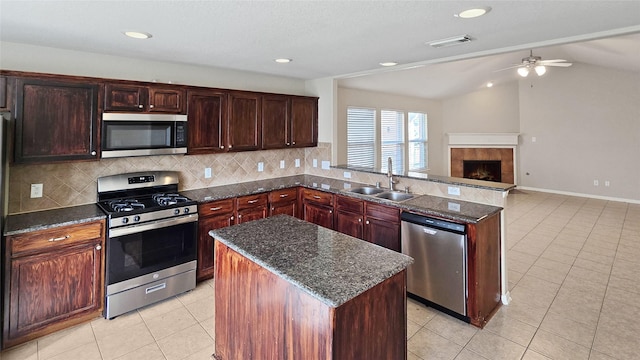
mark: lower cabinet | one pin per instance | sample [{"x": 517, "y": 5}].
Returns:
[
  {"x": 53, "y": 280},
  {"x": 317, "y": 207},
  {"x": 283, "y": 201},
  {"x": 375, "y": 223},
  {"x": 251, "y": 207},
  {"x": 212, "y": 215}
]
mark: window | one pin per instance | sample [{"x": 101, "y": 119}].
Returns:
[
  {"x": 418, "y": 150},
  {"x": 399, "y": 135},
  {"x": 361, "y": 137}
]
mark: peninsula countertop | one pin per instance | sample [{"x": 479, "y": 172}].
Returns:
[{"x": 330, "y": 266}]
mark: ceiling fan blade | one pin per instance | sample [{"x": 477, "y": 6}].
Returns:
[
  {"x": 510, "y": 67},
  {"x": 545, "y": 62},
  {"x": 559, "y": 64}
]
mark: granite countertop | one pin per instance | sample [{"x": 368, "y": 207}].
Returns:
[
  {"x": 48, "y": 219},
  {"x": 328, "y": 265}
]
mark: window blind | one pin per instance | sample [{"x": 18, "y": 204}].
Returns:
[{"x": 361, "y": 137}]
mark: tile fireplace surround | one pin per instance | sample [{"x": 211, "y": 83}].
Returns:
[{"x": 500, "y": 147}]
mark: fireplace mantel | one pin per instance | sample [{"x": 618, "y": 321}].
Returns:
[{"x": 484, "y": 139}]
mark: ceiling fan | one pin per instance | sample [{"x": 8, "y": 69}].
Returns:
[{"x": 536, "y": 64}]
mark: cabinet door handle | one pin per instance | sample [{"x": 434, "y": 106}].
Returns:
[
  {"x": 359, "y": 220},
  {"x": 272, "y": 208},
  {"x": 60, "y": 238},
  {"x": 221, "y": 146},
  {"x": 252, "y": 201},
  {"x": 316, "y": 197},
  {"x": 98, "y": 247},
  {"x": 284, "y": 195},
  {"x": 239, "y": 216},
  {"x": 150, "y": 106},
  {"x": 140, "y": 106},
  {"x": 231, "y": 218},
  {"x": 229, "y": 146},
  {"x": 330, "y": 211},
  {"x": 216, "y": 208},
  {"x": 293, "y": 142},
  {"x": 288, "y": 144},
  {"x": 93, "y": 153},
  {"x": 367, "y": 222}
]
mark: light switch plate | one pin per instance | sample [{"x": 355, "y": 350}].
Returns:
[
  {"x": 347, "y": 175},
  {"x": 297, "y": 162},
  {"x": 326, "y": 165},
  {"x": 36, "y": 190},
  {"x": 281, "y": 164},
  {"x": 454, "y": 190},
  {"x": 207, "y": 173},
  {"x": 315, "y": 162},
  {"x": 260, "y": 166}
]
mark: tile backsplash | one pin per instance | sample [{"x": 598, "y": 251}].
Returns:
[{"x": 74, "y": 183}]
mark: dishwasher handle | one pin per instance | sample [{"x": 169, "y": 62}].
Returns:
[{"x": 433, "y": 223}]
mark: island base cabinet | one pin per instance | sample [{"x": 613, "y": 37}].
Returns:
[{"x": 259, "y": 315}]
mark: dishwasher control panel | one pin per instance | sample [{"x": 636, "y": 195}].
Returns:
[{"x": 432, "y": 222}]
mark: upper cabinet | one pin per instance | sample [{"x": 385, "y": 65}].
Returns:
[
  {"x": 207, "y": 121},
  {"x": 133, "y": 98},
  {"x": 55, "y": 120},
  {"x": 244, "y": 121},
  {"x": 4, "y": 94},
  {"x": 289, "y": 121}
]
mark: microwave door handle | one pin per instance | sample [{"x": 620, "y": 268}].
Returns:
[{"x": 159, "y": 224}]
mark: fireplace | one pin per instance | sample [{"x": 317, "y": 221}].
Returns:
[{"x": 487, "y": 170}]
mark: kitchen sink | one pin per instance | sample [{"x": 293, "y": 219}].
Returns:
[
  {"x": 394, "y": 196},
  {"x": 367, "y": 190}
]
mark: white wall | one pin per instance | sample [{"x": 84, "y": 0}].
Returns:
[
  {"x": 326, "y": 89},
  {"x": 42, "y": 59},
  {"x": 586, "y": 121},
  {"x": 433, "y": 109}
]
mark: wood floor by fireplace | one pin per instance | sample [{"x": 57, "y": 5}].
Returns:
[{"x": 487, "y": 170}]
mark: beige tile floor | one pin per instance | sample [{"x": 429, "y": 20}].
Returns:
[{"x": 573, "y": 272}]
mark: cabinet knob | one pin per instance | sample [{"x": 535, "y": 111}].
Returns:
[
  {"x": 93, "y": 153},
  {"x": 367, "y": 222},
  {"x": 231, "y": 218},
  {"x": 150, "y": 106},
  {"x": 140, "y": 106},
  {"x": 330, "y": 211},
  {"x": 221, "y": 146},
  {"x": 99, "y": 247},
  {"x": 240, "y": 216},
  {"x": 359, "y": 220},
  {"x": 294, "y": 143},
  {"x": 288, "y": 144},
  {"x": 229, "y": 146}
]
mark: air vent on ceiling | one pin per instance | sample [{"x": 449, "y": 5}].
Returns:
[{"x": 456, "y": 40}]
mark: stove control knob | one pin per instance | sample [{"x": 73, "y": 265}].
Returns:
[
  {"x": 176, "y": 211},
  {"x": 136, "y": 218},
  {"x": 186, "y": 210},
  {"x": 125, "y": 220}
]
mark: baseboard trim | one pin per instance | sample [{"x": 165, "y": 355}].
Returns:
[{"x": 609, "y": 198}]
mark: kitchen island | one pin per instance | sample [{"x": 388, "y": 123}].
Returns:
[{"x": 289, "y": 289}]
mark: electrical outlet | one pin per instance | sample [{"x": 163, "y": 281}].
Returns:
[
  {"x": 533, "y": 139},
  {"x": 453, "y": 206},
  {"x": 453, "y": 190},
  {"x": 607, "y": 183},
  {"x": 281, "y": 164},
  {"x": 315, "y": 162},
  {"x": 297, "y": 162},
  {"x": 596, "y": 183},
  {"x": 36, "y": 190},
  {"x": 326, "y": 165},
  {"x": 347, "y": 175},
  {"x": 260, "y": 166},
  {"x": 207, "y": 173}
]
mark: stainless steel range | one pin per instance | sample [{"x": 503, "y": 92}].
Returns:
[{"x": 151, "y": 239}]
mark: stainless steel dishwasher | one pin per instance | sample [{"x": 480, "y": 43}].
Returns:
[{"x": 439, "y": 250}]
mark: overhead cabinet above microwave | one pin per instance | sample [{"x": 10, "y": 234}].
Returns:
[{"x": 146, "y": 99}]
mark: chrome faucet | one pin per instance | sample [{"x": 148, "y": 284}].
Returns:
[{"x": 390, "y": 174}]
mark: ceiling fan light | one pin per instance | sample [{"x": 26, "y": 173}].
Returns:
[
  {"x": 540, "y": 70},
  {"x": 523, "y": 71}
]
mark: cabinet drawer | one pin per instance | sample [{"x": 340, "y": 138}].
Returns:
[
  {"x": 283, "y": 195},
  {"x": 63, "y": 236},
  {"x": 350, "y": 204},
  {"x": 216, "y": 208},
  {"x": 383, "y": 212},
  {"x": 252, "y": 201},
  {"x": 318, "y": 197}
]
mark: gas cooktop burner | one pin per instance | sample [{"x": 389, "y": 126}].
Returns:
[
  {"x": 125, "y": 205},
  {"x": 169, "y": 199}
]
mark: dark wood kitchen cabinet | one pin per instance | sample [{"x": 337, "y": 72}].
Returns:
[
  {"x": 284, "y": 201},
  {"x": 137, "y": 98},
  {"x": 244, "y": 132},
  {"x": 53, "y": 280},
  {"x": 211, "y": 215},
  {"x": 289, "y": 121},
  {"x": 55, "y": 120},
  {"x": 207, "y": 121},
  {"x": 350, "y": 216},
  {"x": 252, "y": 207},
  {"x": 382, "y": 225},
  {"x": 4, "y": 94},
  {"x": 317, "y": 207}
]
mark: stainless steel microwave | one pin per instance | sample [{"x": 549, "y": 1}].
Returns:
[{"x": 125, "y": 134}]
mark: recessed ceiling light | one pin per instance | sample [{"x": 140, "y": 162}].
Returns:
[
  {"x": 137, "y": 34},
  {"x": 283, "y": 60},
  {"x": 389, "y": 63},
  {"x": 489, "y": 84},
  {"x": 472, "y": 13}
]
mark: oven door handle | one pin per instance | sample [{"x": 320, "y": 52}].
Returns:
[{"x": 158, "y": 224}]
